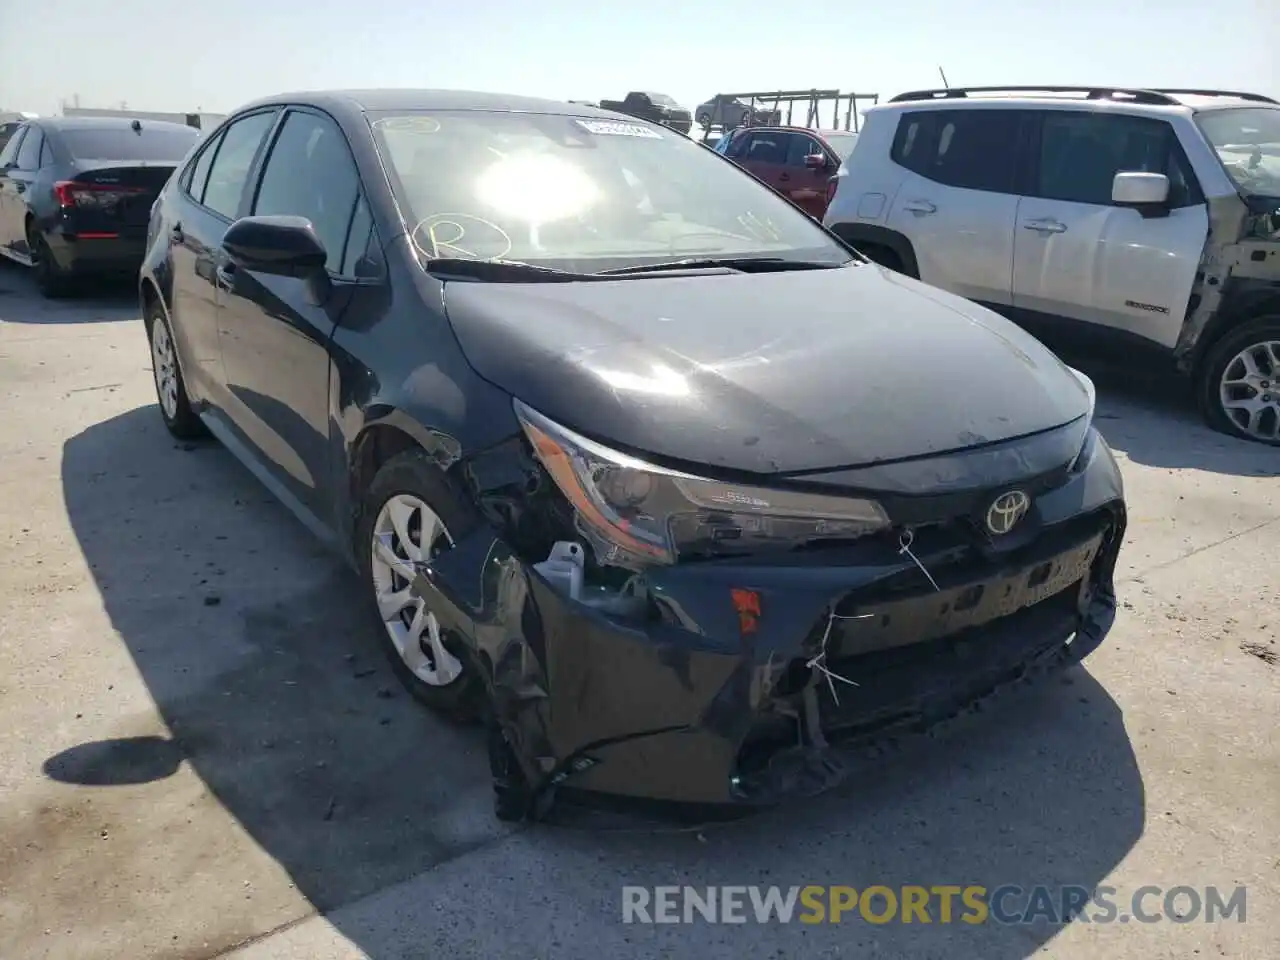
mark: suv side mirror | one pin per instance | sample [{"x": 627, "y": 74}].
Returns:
[
  {"x": 816, "y": 161},
  {"x": 1148, "y": 193},
  {"x": 280, "y": 245}
]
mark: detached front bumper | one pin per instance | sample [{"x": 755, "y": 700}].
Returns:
[{"x": 711, "y": 693}]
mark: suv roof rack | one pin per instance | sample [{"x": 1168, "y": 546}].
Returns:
[
  {"x": 1233, "y": 94},
  {"x": 1161, "y": 97}
]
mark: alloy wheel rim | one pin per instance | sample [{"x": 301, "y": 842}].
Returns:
[
  {"x": 407, "y": 532},
  {"x": 1249, "y": 390},
  {"x": 164, "y": 368}
]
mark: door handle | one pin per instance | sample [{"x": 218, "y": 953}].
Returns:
[
  {"x": 226, "y": 275},
  {"x": 1045, "y": 226},
  {"x": 921, "y": 208}
]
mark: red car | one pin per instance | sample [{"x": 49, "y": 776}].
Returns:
[{"x": 795, "y": 161}]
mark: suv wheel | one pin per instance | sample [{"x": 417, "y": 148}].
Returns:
[
  {"x": 171, "y": 391},
  {"x": 409, "y": 516},
  {"x": 1240, "y": 382},
  {"x": 52, "y": 281}
]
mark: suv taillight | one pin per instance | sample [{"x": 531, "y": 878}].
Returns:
[{"x": 73, "y": 194}]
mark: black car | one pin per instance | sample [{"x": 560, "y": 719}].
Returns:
[
  {"x": 634, "y": 460},
  {"x": 76, "y": 193}
]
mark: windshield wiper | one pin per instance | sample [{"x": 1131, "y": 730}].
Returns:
[
  {"x": 499, "y": 271},
  {"x": 742, "y": 264}
]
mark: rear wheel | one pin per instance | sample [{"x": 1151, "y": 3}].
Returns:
[
  {"x": 171, "y": 390},
  {"x": 704, "y": 120},
  {"x": 51, "y": 279},
  {"x": 1240, "y": 382}
]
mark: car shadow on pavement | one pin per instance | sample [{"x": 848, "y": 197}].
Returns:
[
  {"x": 95, "y": 301},
  {"x": 253, "y": 646}
]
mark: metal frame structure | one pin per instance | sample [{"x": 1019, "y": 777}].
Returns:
[{"x": 813, "y": 103}]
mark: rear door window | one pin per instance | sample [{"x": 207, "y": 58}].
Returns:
[
  {"x": 766, "y": 147},
  {"x": 197, "y": 173},
  {"x": 29, "y": 153},
  {"x": 973, "y": 149},
  {"x": 162, "y": 144},
  {"x": 10, "y": 152},
  {"x": 229, "y": 171}
]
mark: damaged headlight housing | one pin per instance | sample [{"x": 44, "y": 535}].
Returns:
[{"x": 636, "y": 514}]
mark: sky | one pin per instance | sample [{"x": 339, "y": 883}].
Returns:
[{"x": 182, "y": 56}]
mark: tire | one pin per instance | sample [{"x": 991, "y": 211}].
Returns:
[
  {"x": 1260, "y": 338},
  {"x": 52, "y": 281},
  {"x": 171, "y": 390},
  {"x": 703, "y": 120},
  {"x": 419, "y": 657}
]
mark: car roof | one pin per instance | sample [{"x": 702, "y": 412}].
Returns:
[
  {"x": 1102, "y": 98},
  {"x": 389, "y": 100},
  {"x": 103, "y": 123}
]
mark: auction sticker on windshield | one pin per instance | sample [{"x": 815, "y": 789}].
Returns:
[{"x": 613, "y": 128}]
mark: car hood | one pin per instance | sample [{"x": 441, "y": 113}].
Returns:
[{"x": 765, "y": 373}]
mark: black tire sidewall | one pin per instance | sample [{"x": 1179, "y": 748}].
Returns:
[
  {"x": 184, "y": 424},
  {"x": 414, "y": 473},
  {"x": 1215, "y": 363},
  {"x": 50, "y": 278}
]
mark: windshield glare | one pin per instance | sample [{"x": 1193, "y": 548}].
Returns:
[
  {"x": 581, "y": 194},
  {"x": 1248, "y": 144}
]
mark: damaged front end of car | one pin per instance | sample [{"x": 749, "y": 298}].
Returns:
[{"x": 654, "y": 634}]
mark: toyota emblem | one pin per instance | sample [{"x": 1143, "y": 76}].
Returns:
[{"x": 1006, "y": 510}]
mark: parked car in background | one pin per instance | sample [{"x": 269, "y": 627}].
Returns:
[
  {"x": 797, "y": 162},
  {"x": 657, "y": 107},
  {"x": 727, "y": 112},
  {"x": 1147, "y": 219},
  {"x": 631, "y": 467},
  {"x": 76, "y": 194}
]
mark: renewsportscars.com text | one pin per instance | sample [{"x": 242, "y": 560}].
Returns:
[{"x": 941, "y": 903}]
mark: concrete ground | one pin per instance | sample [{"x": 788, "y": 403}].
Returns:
[{"x": 203, "y": 754}]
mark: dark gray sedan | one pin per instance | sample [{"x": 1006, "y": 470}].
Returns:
[{"x": 76, "y": 192}]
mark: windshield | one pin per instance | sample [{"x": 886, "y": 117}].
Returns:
[
  {"x": 169, "y": 143},
  {"x": 1248, "y": 144},
  {"x": 841, "y": 143},
  {"x": 581, "y": 194}
]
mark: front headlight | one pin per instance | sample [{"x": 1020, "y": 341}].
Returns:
[
  {"x": 1085, "y": 454},
  {"x": 636, "y": 514}
]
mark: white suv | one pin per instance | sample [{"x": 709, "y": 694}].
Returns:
[{"x": 1152, "y": 216}]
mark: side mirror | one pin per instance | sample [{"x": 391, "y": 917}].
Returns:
[
  {"x": 279, "y": 245},
  {"x": 1148, "y": 193},
  {"x": 816, "y": 161}
]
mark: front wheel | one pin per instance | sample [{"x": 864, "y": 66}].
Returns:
[
  {"x": 411, "y": 515},
  {"x": 1240, "y": 382},
  {"x": 704, "y": 120}
]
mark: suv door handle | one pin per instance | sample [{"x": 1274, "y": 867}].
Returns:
[
  {"x": 1047, "y": 225},
  {"x": 920, "y": 207}
]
